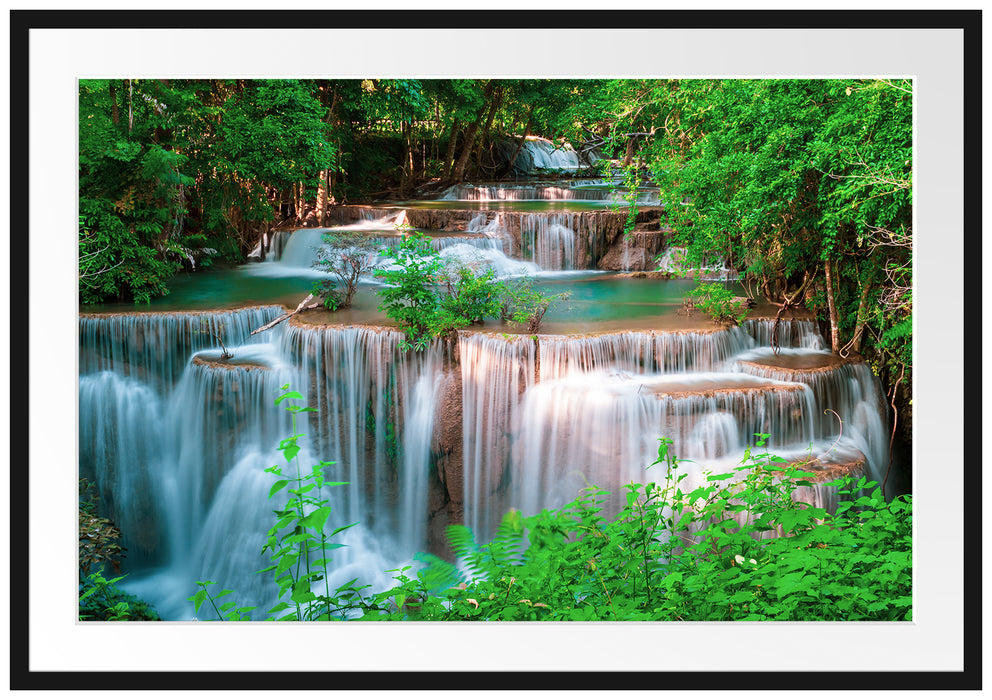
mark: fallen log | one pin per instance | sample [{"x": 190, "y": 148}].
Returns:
[{"x": 301, "y": 307}]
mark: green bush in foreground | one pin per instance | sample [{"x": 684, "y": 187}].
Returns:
[
  {"x": 674, "y": 555},
  {"x": 99, "y": 547},
  {"x": 738, "y": 547}
]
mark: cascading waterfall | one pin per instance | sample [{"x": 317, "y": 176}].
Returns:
[
  {"x": 569, "y": 190},
  {"x": 301, "y": 249},
  {"x": 547, "y": 156},
  {"x": 849, "y": 389},
  {"x": 640, "y": 351},
  {"x": 181, "y": 468},
  {"x": 154, "y": 347},
  {"x": 219, "y": 415},
  {"x": 548, "y": 239},
  {"x": 673, "y": 261},
  {"x": 120, "y": 452},
  {"x": 495, "y": 372},
  {"x": 366, "y": 390},
  {"x": 792, "y": 333},
  {"x": 603, "y": 428},
  {"x": 177, "y": 437}
]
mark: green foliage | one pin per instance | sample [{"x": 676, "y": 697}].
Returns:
[
  {"x": 431, "y": 296},
  {"x": 719, "y": 302},
  {"x": 672, "y": 553},
  {"x": 101, "y": 600},
  {"x": 176, "y": 173},
  {"x": 779, "y": 176},
  {"x": 349, "y": 256},
  {"x": 520, "y": 302},
  {"x": 98, "y": 537},
  {"x": 412, "y": 294},
  {"x": 329, "y": 296}
]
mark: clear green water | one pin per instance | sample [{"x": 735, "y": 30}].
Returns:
[
  {"x": 524, "y": 205},
  {"x": 597, "y": 301}
]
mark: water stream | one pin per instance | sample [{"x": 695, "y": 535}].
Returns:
[{"x": 177, "y": 436}]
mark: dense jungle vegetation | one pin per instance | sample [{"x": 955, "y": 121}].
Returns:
[{"x": 805, "y": 186}]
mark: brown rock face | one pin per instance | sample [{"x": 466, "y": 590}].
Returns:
[
  {"x": 635, "y": 251},
  {"x": 446, "y": 504}
]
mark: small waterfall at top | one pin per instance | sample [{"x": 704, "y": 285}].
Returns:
[
  {"x": 545, "y": 155},
  {"x": 300, "y": 250},
  {"x": 606, "y": 191}
]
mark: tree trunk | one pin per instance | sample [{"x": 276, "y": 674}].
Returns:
[
  {"x": 459, "y": 174},
  {"x": 629, "y": 154},
  {"x": 322, "y": 198},
  {"x": 449, "y": 157},
  {"x": 832, "y": 307},
  {"x": 520, "y": 145},
  {"x": 407, "y": 172},
  {"x": 115, "y": 115},
  {"x": 493, "y": 106},
  {"x": 859, "y": 327},
  {"x": 469, "y": 144}
]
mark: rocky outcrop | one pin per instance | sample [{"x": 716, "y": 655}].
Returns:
[
  {"x": 636, "y": 250},
  {"x": 446, "y": 500}
]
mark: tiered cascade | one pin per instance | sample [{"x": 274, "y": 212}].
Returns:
[{"x": 177, "y": 435}]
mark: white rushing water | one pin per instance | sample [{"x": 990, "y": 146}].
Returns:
[{"x": 181, "y": 467}]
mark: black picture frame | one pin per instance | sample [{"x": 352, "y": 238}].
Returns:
[{"x": 25, "y": 457}]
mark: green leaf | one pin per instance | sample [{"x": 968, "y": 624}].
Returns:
[
  {"x": 343, "y": 528},
  {"x": 317, "y": 518},
  {"x": 288, "y": 395},
  {"x": 277, "y": 486}
]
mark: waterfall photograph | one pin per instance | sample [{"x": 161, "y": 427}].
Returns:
[{"x": 494, "y": 349}]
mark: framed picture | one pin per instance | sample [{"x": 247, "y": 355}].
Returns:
[{"x": 518, "y": 216}]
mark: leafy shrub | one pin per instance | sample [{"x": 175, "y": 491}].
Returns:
[
  {"x": 99, "y": 598},
  {"x": 719, "y": 302},
  {"x": 675, "y": 555},
  {"x": 349, "y": 256},
  {"x": 521, "y": 303},
  {"x": 98, "y": 536},
  {"x": 431, "y": 296},
  {"x": 329, "y": 296}
]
